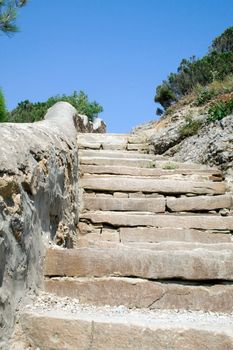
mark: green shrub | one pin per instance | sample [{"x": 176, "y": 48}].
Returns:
[
  {"x": 220, "y": 110},
  {"x": 204, "y": 95},
  {"x": 27, "y": 111},
  {"x": 217, "y": 87},
  {"x": 169, "y": 166},
  {"x": 152, "y": 165},
  {"x": 190, "y": 127},
  {"x": 164, "y": 95},
  {"x": 3, "y": 110}
]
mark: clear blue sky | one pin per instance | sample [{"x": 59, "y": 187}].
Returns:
[{"x": 117, "y": 51}]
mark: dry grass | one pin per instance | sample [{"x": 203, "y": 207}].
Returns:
[{"x": 222, "y": 87}]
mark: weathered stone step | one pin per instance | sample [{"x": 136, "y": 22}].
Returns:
[
  {"x": 128, "y": 184},
  {"x": 140, "y": 147},
  {"x": 91, "y": 237},
  {"x": 82, "y": 328},
  {"x": 133, "y": 162},
  {"x": 156, "y": 205},
  {"x": 135, "y": 139},
  {"x": 168, "y": 246},
  {"x": 129, "y": 219},
  {"x": 198, "y": 203},
  {"x": 160, "y": 246},
  {"x": 93, "y": 137},
  {"x": 153, "y": 172},
  {"x": 140, "y": 293},
  {"x": 140, "y": 161},
  {"x": 197, "y": 264},
  {"x": 155, "y": 235},
  {"x": 111, "y": 142},
  {"x": 118, "y": 154}
]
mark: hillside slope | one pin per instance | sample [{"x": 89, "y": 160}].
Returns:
[{"x": 186, "y": 135}]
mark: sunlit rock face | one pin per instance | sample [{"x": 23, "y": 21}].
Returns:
[{"x": 38, "y": 200}]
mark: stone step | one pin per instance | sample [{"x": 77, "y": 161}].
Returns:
[
  {"x": 90, "y": 236},
  {"x": 114, "y": 183},
  {"x": 106, "y": 137},
  {"x": 207, "y": 262},
  {"x": 198, "y": 203},
  {"x": 153, "y": 172},
  {"x": 117, "y": 146},
  {"x": 140, "y": 162},
  {"x": 69, "y": 325},
  {"x": 155, "y": 235},
  {"x": 166, "y": 246},
  {"x": 103, "y": 141},
  {"x": 132, "y": 162},
  {"x": 169, "y": 246},
  {"x": 135, "y": 139},
  {"x": 131, "y": 219},
  {"x": 156, "y": 205},
  {"x": 140, "y": 147},
  {"x": 118, "y": 154},
  {"x": 140, "y": 293},
  {"x": 120, "y": 145},
  {"x": 159, "y": 161}
]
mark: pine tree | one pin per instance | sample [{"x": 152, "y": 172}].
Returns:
[{"x": 8, "y": 14}]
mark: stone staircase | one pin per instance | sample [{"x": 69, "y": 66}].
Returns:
[{"x": 153, "y": 259}]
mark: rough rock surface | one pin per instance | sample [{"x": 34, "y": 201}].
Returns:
[
  {"x": 213, "y": 143},
  {"x": 38, "y": 201},
  {"x": 83, "y": 125}
]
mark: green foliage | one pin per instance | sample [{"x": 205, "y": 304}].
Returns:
[
  {"x": 216, "y": 65},
  {"x": 220, "y": 110},
  {"x": 164, "y": 95},
  {"x": 159, "y": 112},
  {"x": 209, "y": 92},
  {"x": 204, "y": 95},
  {"x": 152, "y": 165},
  {"x": 27, "y": 112},
  {"x": 8, "y": 14},
  {"x": 224, "y": 42},
  {"x": 170, "y": 166},
  {"x": 80, "y": 102},
  {"x": 222, "y": 86},
  {"x": 190, "y": 127},
  {"x": 3, "y": 110}
]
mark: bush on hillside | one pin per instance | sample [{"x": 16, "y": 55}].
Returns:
[
  {"x": 190, "y": 127},
  {"x": 216, "y": 65},
  {"x": 164, "y": 95},
  {"x": 214, "y": 89},
  {"x": 220, "y": 110},
  {"x": 204, "y": 94}
]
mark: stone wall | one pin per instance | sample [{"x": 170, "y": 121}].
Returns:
[{"x": 38, "y": 201}]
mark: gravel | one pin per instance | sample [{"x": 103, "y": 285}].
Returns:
[{"x": 48, "y": 304}]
